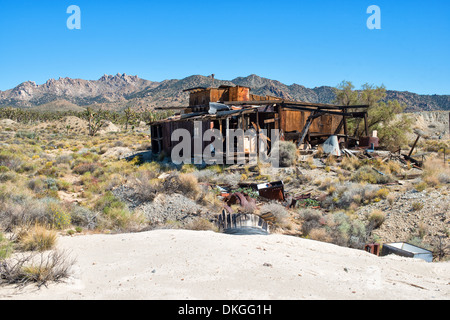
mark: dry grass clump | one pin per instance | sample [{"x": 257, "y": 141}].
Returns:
[
  {"x": 368, "y": 174},
  {"x": 146, "y": 185},
  {"x": 37, "y": 238},
  {"x": 185, "y": 184},
  {"x": 320, "y": 234},
  {"x": 350, "y": 163},
  {"x": 40, "y": 269},
  {"x": 86, "y": 167},
  {"x": 345, "y": 194},
  {"x": 200, "y": 224},
  {"x": 311, "y": 219},
  {"x": 436, "y": 172},
  {"x": 338, "y": 228},
  {"x": 280, "y": 213},
  {"x": 376, "y": 218}
]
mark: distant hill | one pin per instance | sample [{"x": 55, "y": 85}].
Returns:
[{"x": 122, "y": 90}]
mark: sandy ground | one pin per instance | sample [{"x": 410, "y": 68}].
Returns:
[{"x": 180, "y": 264}]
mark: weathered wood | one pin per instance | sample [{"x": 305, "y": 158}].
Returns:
[
  {"x": 414, "y": 146},
  {"x": 307, "y": 126}
]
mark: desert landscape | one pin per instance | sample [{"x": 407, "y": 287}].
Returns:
[
  {"x": 130, "y": 225},
  {"x": 149, "y": 153}
]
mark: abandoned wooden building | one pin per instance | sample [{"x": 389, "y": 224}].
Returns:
[{"x": 228, "y": 107}]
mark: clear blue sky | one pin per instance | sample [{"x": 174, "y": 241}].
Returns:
[{"x": 311, "y": 43}]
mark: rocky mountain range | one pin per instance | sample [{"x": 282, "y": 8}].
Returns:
[{"x": 122, "y": 90}]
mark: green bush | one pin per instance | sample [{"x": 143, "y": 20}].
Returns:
[
  {"x": 6, "y": 247},
  {"x": 370, "y": 175}
]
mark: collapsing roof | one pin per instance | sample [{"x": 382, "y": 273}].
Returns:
[{"x": 228, "y": 107}]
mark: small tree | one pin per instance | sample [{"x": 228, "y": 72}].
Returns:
[
  {"x": 94, "y": 120},
  {"x": 384, "y": 116},
  {"x": 130, "y": 116}
]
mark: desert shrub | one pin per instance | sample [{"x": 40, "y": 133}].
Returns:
[
  {"x": 370, "y": 175},
  {"x": 108, "y": 201},
  {"x": 86, "y": 167},
  {"x": 60, "y": 217},
  {"x": 350, "y": 163},
  {"x": 345, "y": 231},
  {"x": 338, "y": 228},
  {"x": 26, "y": 134},
  {"x": 24, "y": 269},
  {"x": 37, "y": 238},
  {"x": 121, "y": 219},
  {"x": 150, "y": 166},
  {"x": 391, "y": 199},
  {"x": 320, "y": 234},
  {"x": 185, "y": 184},
  {"x": 83, "y": 217},
  {"x": 436, "y": 172},
  {"x": 188, "y": 168},
  {"x": 146, "y": 187},
  {"x": 347, "y": 193},
  {"x": 417, "y": 206},
  {"x": 421, "y": 186},
  {"x": 376, "y": 218},
  {"x": 116, "y": 214},
  {"x": 279, "y": 212},
  {"x": 201, "y": 224},
  {"x": 22, "y": 211},
  {"x": 6, "y": 247},
  {"x": 212, "y": 176},
  {"x": 311, "y": 219},
  {"x": 382, "y": 193},
  {"x": 10, "y": 160},
  {"x": 6, "y": 174},
  {"x": 64, "y": 159},
  {"x": 287, "y": 151}
]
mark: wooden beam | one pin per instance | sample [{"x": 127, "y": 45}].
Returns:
[
  {"x": 366, "y": 125},
  {"x": 295, "y": 103},
  {"x": 345, "y": 114},
  {"x": 307, "y": 126},
  {"x": 414, "y": 146}
]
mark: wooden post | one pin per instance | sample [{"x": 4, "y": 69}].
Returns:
[
  {"x": 366, "y": 125},
  {"x": 344, "y": 120},
  {"x": 414, "y": 146}
]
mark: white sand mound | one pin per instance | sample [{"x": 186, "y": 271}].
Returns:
[{"x": 180, "y": 264}]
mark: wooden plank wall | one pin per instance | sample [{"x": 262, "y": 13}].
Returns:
[{"x": 293, "y": 120}]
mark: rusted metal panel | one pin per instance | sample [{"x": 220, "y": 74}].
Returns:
[
  {"x": 272, "y": 190},
  {"x": 373, "y": 248},
  {"x": 367, "y": 142}
]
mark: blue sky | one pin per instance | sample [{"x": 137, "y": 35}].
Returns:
[{"x": 311, "y": 43}]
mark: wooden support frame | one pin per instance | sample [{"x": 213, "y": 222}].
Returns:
[{"x": 305, "y": 130}]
